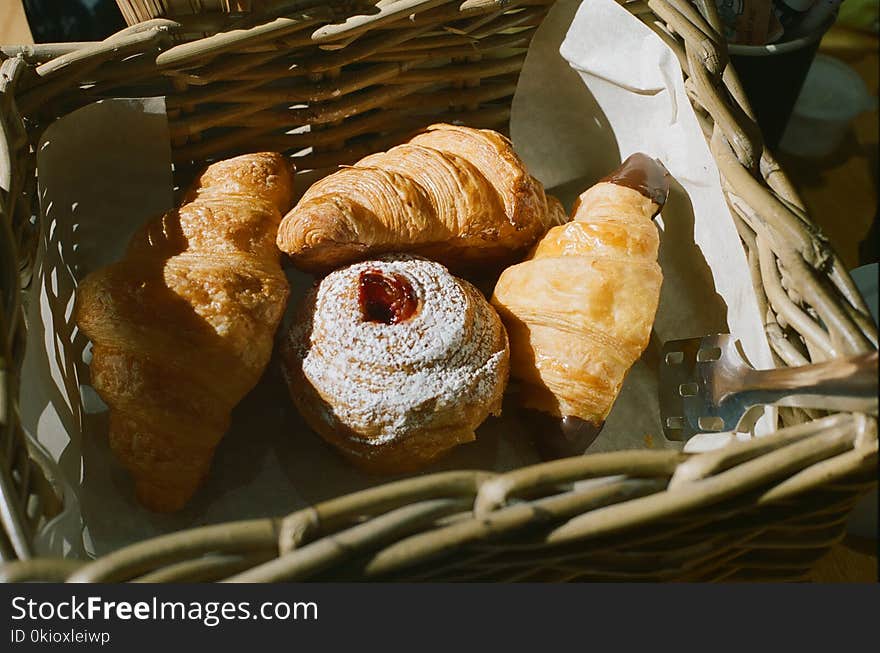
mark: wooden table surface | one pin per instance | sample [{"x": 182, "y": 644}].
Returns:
[
  {"x": 14, "y": 29},
  {"x": 840, "y": 192}
]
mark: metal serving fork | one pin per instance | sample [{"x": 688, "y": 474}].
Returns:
[{"x": 706, "y": 385}]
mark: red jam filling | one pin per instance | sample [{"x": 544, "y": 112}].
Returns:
[{"x": 386, "y": 299}]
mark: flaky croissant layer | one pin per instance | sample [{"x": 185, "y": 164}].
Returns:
[
  {"x": 182, "y": 327},
  {"x": 456, "y": 195},
  {"x": 580, "y": 309}
]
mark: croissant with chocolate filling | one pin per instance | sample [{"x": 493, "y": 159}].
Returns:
[
  {"x": 579, "y": 311},
  {"x": 182, "y": 327},
  {"x": 456, "y": 195}
]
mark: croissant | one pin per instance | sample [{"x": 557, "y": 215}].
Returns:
[
  {"x": 182, "y": 327},
  {"x": 456, "y": 195},
  {"x": 580, "y": 309}
]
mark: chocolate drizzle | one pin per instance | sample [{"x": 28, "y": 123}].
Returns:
[
  {"x": 560, "y": 437},
  {"x": 644, "y": 174}
]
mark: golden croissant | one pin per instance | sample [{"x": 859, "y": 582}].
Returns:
[
  {"x": 182, "y": 327},
  {"x": 457, "y": 195},
  {"x": 579, "y": 311}
]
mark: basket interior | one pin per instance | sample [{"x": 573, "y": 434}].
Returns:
[{"x": 331, "y": 81}]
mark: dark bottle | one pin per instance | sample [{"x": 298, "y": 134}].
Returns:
[
  {"x": 789, "y": 12},
  {"x": 58, "y": 21}
]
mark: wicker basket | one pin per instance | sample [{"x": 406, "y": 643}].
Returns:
[{"x": 765, "y": 509}]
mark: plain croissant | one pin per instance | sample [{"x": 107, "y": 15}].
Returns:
[
  {"x": 182, "y": 327},
  {"x": 580, "y": 309},
  {"x": 456, "y": 195}
]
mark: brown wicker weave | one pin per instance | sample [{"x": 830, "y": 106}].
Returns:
[{"x": 761, "y": 510}]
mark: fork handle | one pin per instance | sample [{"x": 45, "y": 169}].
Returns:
[{"x": 848, "y": 384}]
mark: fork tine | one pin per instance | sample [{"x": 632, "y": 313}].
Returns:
[
  {"x": 676, "y": 369},
  {"x": 686, "y": 375}
]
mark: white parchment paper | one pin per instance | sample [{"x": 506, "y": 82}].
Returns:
[{"x": 105, "y": 169}]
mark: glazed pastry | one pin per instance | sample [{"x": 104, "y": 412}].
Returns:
[
  {"x": 395, "y": 361},
  {"x": 456, "y": 195},
  {"x": 579, "y": 311},
  {"x": 182, "y": 327}
]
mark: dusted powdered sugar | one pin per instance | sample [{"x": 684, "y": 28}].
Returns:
[{"x": 390, "y": 379}]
